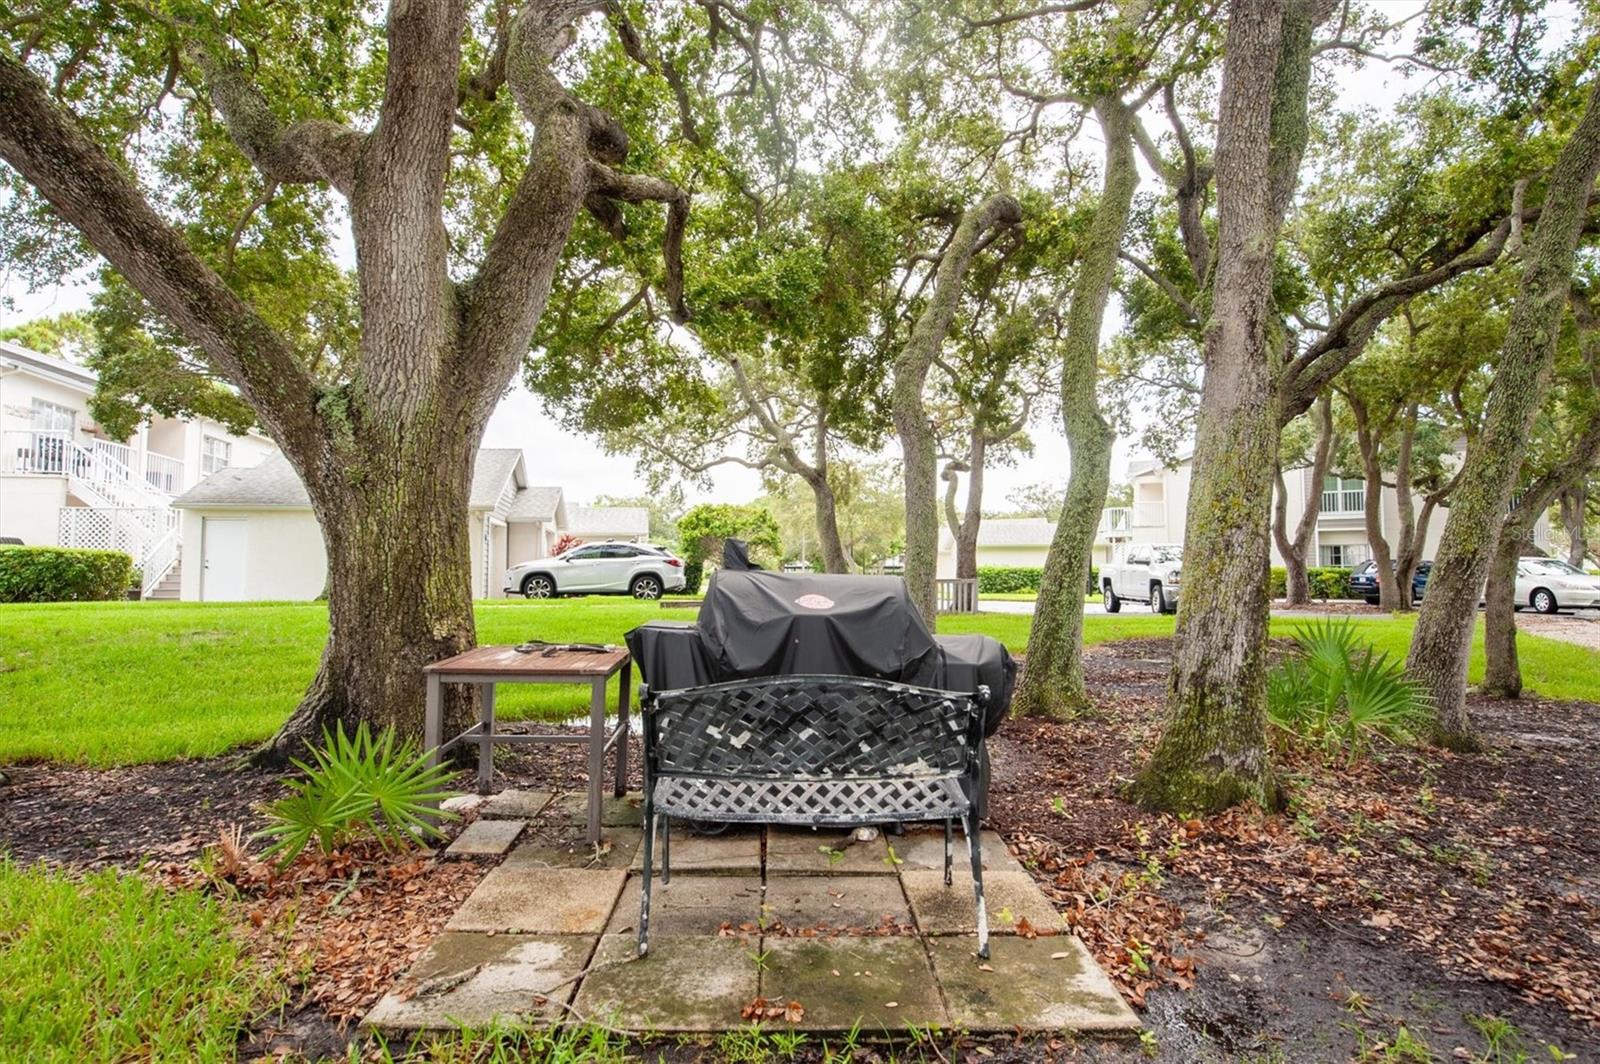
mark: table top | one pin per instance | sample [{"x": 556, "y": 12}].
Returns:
[{"x": 507, "y": 662}]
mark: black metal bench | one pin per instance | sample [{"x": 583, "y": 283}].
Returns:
[{"x": 811, "y": 750}]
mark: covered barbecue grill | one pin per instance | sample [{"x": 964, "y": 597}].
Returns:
[{"x": 755, "y": 623}]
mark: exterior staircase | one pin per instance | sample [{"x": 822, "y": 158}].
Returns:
[{"x": 166, "y": 589}]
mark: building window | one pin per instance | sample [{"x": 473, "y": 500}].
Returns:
[
  {"x": 1345, "y": 555},
  {"x": 215, "y": 454},
  {"x": 53, "y": 417},
  {"x": 1344, "y": 494}
]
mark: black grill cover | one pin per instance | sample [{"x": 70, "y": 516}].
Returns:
[
  {"x": 779, "y": 624},
  {"x": 775, "y": 624}
]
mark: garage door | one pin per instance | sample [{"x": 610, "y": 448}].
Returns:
[{"x": 223, "y": 556}]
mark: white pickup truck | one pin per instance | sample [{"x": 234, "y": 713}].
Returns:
[{"x": 1148, "y": 574}]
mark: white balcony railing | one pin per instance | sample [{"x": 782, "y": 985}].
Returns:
[
  {"x": 1348, "y": 501},
  {"x": 1115, "y": 519},
  {"x": 112, "y": 473},
  {"x": 1149, "y": 514}
]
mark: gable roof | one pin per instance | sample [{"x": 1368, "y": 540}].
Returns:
[
  {"x": 490, "y": 472},
  {"x": 608, "y": 520},
  {"x": 274, "y": 485},
  {"x": 536, "y": 504}
]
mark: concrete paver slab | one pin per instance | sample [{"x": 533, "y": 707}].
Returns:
[
  {"x": 920, "y": 848},
  {"x": 515, "y": 805},
  {"x": 568, "y": 849},
  {"x": 472, "y": 978},
  {"x": 686, "y": 983},
  {"x": 486, "y": 838},
  {"x": 691, "y": 905},
  {"x": 802, "y": 851},
  {"x": 884, "y": 984},
  {"x": 624, "y": 812},
  {"x": 834, "y": 903},
  {"x": 540, "y": 901},
  {"x": 1011, "y": 897},
  {"x": 1037, "y": 984},
  {"x": 737, "y": 851}
]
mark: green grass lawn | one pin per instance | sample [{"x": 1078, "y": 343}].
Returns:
[
  {"x": 132, "y": 682},
  {"x": 114, "y": 967}
]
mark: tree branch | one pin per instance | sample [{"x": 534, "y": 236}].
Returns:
[
  {"x": 1172, "y": 291},
  {"x": 43, "y": 142},
  {"x": 306, "y": 152}
]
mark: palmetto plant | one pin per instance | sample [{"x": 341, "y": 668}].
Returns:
[
  {"x": 1340, "y": 693},
  {"x": 357, "y": 786}
]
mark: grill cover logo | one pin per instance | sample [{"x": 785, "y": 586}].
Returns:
[{"x": 814, "y": 602}]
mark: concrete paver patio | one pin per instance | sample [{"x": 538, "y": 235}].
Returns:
[{"x": 853, "y": 935}]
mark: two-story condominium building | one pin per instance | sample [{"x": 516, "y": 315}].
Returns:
[
  {"x": 64, "y": 481},
  {"x": 1339, "y": 537}
]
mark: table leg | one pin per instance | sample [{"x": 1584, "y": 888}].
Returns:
[
  {"x": 597, "y": 753},
  {"x": 433, "y": 719},
  {"x": 486, "y": 740},
  {"x": 624, "y": 696}
]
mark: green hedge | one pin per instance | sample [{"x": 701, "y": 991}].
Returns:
[
  {"x": 1327, "y": 582},
  {"x": 1008, "y": 579},
  {"x": 60, "y": 574},
  {"x": 693, "y": 573}
]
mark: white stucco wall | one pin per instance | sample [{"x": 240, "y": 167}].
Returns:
[
  {"x": 526, "y": 542},
  {"x": 284, "y": 556},
  {"x": 30, "y": 508}
]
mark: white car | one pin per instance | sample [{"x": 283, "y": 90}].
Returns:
[
  {"x": 598, "y": 569},
  {"x": 1151, "y": 573},
  {"x": 1549, "y": 584}
]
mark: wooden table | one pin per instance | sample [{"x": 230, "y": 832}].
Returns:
[{"x": 488, "y": 666}]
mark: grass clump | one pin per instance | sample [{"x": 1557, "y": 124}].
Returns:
[
  {"x": 1339, "y": 693},
  {"x": 114, "y": 967},
  {"x": 357, "y": 788}
]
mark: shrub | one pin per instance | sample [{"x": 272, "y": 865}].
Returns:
[
  {"x": 357, "y": 787},
  {"x": 693, "y": 573},
  {"x": 1327, "y": 582},
  {"x": 1341, "y": 695},
  {"x": 113, "y": 966},
  {"x": 1008, "y": 579},
  {"x": 62, "y": 574}
]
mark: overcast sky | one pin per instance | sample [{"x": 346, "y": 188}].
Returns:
[{"x": 578, "y": 465}]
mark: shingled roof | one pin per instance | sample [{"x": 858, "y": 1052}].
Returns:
[{"x": 274, "y": 485}]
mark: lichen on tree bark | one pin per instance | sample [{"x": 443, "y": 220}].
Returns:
[
  {"x": 1052, "y": 683},
  {"x": 1213, "y": 750},
  {"x": 1442, "y": 640}
]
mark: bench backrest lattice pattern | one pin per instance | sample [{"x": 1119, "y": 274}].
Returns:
[
  {"x": 811, "y": 750},
  {"x": 814, "y": 728}
]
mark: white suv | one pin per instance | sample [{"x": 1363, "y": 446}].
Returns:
[{"x": 598, "y": 569}]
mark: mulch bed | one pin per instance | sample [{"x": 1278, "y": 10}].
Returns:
[{"x": 1416, "y": 888}]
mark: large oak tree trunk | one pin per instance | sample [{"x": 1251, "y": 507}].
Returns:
[
  {"x": 1294, "y": 551},
  {"x": 1052, "y": 682},
  {"x": 1213, "y": 748},
  {"x": 919, "y": 452},
  {"x": 1442, "y": 641},
  {"x": 399, "y": 593},
  {"x": 386, "y": 454}
]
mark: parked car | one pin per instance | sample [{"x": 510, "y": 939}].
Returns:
[
  {"x": 1149, "y": 574},
  {"x": 1364, "y": 581},
  {"x": 598, "y": 569},
  {"x": 1419, "y": 580},
  {"x": 1548, "y": 584}
]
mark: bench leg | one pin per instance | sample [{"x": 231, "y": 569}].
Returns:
[
  {"x": 666, "y": 850},
  {"x": 947, "y": 879},
  {"x": 644, "y": 881},
  {"x": 969, "y": 824}
]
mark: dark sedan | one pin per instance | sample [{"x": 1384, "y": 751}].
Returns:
[{"x": 1364, "y": 581}]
